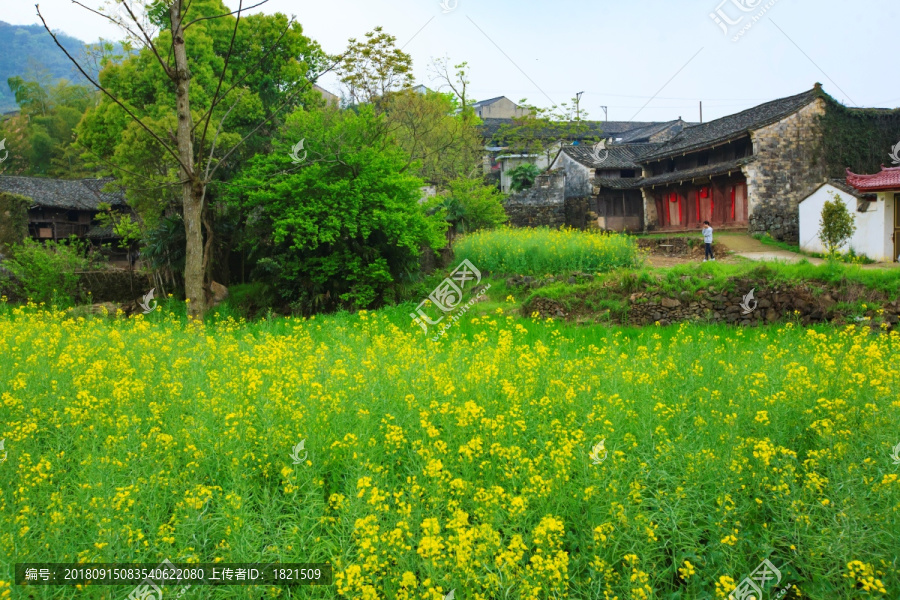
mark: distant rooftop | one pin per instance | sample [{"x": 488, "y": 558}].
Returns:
[
  {"x": 67, "y": 194},
  {"x": 491, "y": 127},
  {"x": 487, "y": 102}
]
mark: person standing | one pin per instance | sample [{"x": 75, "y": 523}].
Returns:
[{"x": 707, "y": 240}]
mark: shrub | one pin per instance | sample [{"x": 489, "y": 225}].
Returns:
[
  {"x": 469, "y": 205},
  {"x": 45, "y": 272},
  {"x": 14, "y": 225},
  {"x": 343, "y": 230},
  {"x": 523, "y": 176},
  {"x": 836, "y": 226},
  {"x": 541, "y": 251}
]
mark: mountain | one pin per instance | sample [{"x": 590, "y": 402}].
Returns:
[{"x": 29, "y": 52}]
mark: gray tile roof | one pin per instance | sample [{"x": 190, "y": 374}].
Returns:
[
  {"x": 594, "y": 129},
  {"x": 734, "y": 126},
  {"x": 621, "y": 156},
  {"x": 619, "y": 183},
  {"x": 67, "y": 194},
  {"x": 644, "y": 134},
  {"x": 706, "y": 171},
  {"x": 487, "y": 102}
]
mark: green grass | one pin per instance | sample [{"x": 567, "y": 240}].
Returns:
[
  {"x": 720, "y": 276},
  {"x": 850, "y": 257},
  {"x": 870, "y": 288}
]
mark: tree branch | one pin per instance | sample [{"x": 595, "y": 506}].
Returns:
[
  {"x": 220, "y": 16},
  {"x": 266, "y": 120},
  {"x": 216, "y": 138},
  {"x": 146, "y": 39},
  {"x": 248, "y": 73},
  {"x": 96, "y": 84},
  {"x": 215, "y": 97}
]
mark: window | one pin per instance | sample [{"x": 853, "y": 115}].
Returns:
[{"x": 72, "y": 216}]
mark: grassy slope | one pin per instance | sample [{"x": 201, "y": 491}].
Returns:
[{"x": 610, "y": 291}]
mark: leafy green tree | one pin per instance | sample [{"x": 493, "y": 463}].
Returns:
[
  {"x": 457, "y": 82},
  {"x": 45, "y": 272},
  {"x": 444, "y": 145},
  {"x": 372, "y": 68},
  {"x": 541, "y": 131},
  {"x": 15, "y": 139},
  {"x": 523, "y": 176},
  {"x": 468, "y": 206},
  {"x": 345, "y": 226},
  {"x": 48, "y": 118},
  {"x": 203, "y": 93},
  {"x": 836, "y": 225}
]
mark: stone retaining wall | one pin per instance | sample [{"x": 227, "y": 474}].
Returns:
[{"x": 769, "y": 304}]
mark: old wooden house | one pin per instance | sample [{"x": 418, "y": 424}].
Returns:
[
  {"x": 752, "y": 169},
  {"x": 609, "y": 178},
  {"x": 747, "y": 171},
  {"x": 608, "y": 174},
  {"x": 60, "y": 208},
  {"x": 708, "y": 172}
]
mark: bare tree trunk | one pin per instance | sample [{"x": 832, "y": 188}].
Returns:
[{"x": 192, "y": 187}]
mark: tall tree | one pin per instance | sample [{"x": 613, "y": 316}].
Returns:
[
  {"x": 457, "y": 82},
  {"x": 372, "y": 68},
  {"x": 443, "y": 144},
  {"x": 49, "y": 115},
  {"x": 205, "y": 82}
]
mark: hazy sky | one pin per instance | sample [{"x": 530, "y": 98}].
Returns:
[{"x": 621, "y": 54}]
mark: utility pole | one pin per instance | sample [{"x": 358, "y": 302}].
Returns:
[
  {"x": 605, "y": 113},
  {"x": 701, "y": 111},
  {"x": 578, "y": 106}
]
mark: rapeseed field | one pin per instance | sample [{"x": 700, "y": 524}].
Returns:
[
  {"x": 540, "y": 250},
  {"x": 513, "y": 459}
]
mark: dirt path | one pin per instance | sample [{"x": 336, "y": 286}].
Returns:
[
  {"x": 741, "y": 245},
  {"x": 749, "y": 247}
]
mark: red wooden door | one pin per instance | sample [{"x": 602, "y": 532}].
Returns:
[{"x": 675, "y": 204}]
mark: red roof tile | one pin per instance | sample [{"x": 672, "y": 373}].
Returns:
[{"x": 888, "y": 179}]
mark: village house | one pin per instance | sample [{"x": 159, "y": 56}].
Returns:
[
  {"x": 752, "y": 169},
  {"x": 602, "y": 179},
  {"x": 878, "y": 221},
  {"x": 747, "y": 171},
  {"x": 499, "y": 108},
  {"x": 499, "y": 161},
  {"x": 862, "y": 206},
  {"x": 609, "y": 177},
  {"x": 754, "y": 165},
  {"x": 59, "y": 208}
]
